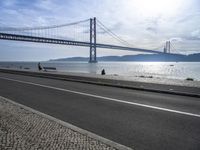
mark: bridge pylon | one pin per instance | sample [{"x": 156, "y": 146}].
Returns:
[
  {"x": 93, "y": 53},
  {"x": 167, "y": 47}
]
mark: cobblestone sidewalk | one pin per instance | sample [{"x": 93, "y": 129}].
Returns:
[{"x": 22, "y": 129}]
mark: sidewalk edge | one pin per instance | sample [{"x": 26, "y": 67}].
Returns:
[{"x": 68, "y": 125}]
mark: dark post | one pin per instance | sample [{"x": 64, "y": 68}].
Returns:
[
  {"x": 93, "y": 41},
  {"x": 165, "y": 48},
  {"x": 90, "y": 39},
  {"x": 95, "y": 35}
]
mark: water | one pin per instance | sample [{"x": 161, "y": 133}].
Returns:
[{"x": 172, "y": 70}]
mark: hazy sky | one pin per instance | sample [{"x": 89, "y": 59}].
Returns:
[{"x": 143, "y": 23}]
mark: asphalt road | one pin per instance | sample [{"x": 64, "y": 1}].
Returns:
[{"x": 138, "y": 119}]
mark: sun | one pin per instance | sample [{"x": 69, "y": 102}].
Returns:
[{"x": 157, "y": 7}]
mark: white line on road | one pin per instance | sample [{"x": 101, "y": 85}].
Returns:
[{"x": 105, "y": 98}]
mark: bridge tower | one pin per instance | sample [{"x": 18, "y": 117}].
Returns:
[
  {"x": 93, "y": 54},
  {"x": 167, "y": 47}
]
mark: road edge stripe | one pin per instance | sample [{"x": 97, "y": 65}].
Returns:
[{"x": 106, "y": 98}]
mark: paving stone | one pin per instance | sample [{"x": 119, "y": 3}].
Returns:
[{"x": 21, "y": 129}]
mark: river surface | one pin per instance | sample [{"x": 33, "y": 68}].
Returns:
[{"x": 171, "y": 70}]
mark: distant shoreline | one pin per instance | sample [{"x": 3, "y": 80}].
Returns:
[{"x": 140, "y": 58}]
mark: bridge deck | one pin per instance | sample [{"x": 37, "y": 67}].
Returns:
[{"x": 15, "y": 37}]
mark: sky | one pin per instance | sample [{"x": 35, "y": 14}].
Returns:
[{"x": 143, "y": 23}]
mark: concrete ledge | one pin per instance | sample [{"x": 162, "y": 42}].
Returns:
[
  {"x": 102, "y": 140},
  {"x": 149, "y": 87}
]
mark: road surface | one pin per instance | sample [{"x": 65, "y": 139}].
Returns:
[{"x": 137, "y": 119}]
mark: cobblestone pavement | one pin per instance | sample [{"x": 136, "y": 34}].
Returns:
[{"x": 21, "y": 129}]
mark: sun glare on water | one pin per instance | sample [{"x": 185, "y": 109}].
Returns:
[{"x": 157, "y": 7}]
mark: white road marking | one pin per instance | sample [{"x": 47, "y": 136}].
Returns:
[{"x": 105, "y": 98}]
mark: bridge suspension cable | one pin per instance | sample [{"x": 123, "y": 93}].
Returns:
[
  {"x": 41, "y": 27},
  {"x": 160, "y": 48},
  {"x": 173, "y": 49},
  {"x": 112, "y": 34},
  {"x": 77, "y": 31}
]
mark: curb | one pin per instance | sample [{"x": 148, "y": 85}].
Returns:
[
  {"x": 96, "y": 82},
  {"x": 68, "y": 125}
]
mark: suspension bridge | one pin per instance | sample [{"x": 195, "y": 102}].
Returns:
[{"x": 81, "y": 33}]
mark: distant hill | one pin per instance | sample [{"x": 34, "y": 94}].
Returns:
[{"x": 141, "y": 57}]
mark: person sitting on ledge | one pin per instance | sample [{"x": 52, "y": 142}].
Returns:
[
  {"x": 103, "y": 72},
  {"x": 39, "y": 66}
]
